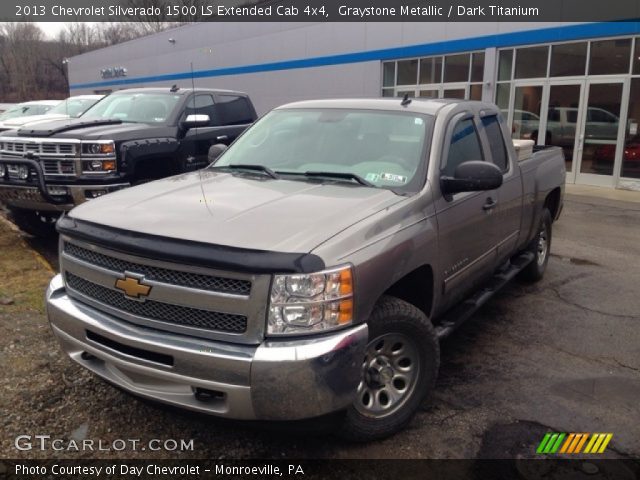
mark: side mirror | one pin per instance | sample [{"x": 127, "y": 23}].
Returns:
[
  {"x": 215, "y": 151},
  {"x": 472, "y": 176},
  {"x": 195, "y": 120}
]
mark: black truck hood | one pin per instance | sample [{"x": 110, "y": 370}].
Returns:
[{"x": 90, "y": 129}]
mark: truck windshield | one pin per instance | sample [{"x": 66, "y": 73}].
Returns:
[
  {"x": 152, "y": 108},
  {"x": 385, "y": 149},
  {"x": 74, "y": 107}
]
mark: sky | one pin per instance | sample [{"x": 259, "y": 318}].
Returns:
[{"x": 51, "y": 29}]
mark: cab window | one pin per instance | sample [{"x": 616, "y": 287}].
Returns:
[
  {"x": 464, "y": 146},
  {"x": 496, "y": 142}
]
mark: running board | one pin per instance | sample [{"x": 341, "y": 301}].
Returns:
[{"x": 461, "y": 312}]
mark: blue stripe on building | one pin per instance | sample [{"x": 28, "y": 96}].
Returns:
[{"x": 544, "y": 35}]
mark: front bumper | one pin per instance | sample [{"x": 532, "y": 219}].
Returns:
[
  {"x": 276, "y": 380},
  {"x": 31, "y": 198}
]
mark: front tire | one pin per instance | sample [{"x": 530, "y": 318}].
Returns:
[
  {"x": 541, "y": 247},
  {"x": 399, "y": 371}
]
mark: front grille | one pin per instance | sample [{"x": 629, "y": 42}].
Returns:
[
  {"x": 58, "y": 167},
  {"x": 36, "y": 147},
  {"x": 56, "y": 158},
  {"x": 164, "y": 312},
  {"x": 165, "y": 275}
]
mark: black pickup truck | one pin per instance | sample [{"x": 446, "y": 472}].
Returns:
[{"x": 130, "y": 137}]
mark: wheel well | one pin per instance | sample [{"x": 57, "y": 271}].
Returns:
[
  {"x": 552, "y": 202},
  {"x": 415, "y": 288}
]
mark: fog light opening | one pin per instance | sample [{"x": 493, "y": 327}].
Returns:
[
  {"x": 206, "y": 395},
  {"x": 87, "y": 356}
]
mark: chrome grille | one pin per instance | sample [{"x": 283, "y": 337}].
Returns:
[
  {"x": 165, "y": 275},
  {"x": 56, "y": 158},
  {"x": 38, "y": 147},
  {"x": 58, "y": 167},
  {"x": 176, "y": 314}
]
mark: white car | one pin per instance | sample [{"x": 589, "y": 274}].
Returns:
[
  {"x": 72, "y": 107},
  {"x": 36, "y": 107}
]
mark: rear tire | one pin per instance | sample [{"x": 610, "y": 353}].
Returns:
[
  {"x": 541, "y": 247},
  {"x": 38, "y": 224},
  {"x": 399, "y": 371}
]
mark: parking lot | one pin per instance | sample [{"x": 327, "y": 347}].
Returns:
[{"x": 561, "y": 355}]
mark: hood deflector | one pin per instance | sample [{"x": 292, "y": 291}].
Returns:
[{"x": 188, "y": 252}]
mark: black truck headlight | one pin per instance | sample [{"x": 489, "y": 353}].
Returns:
[
  {"x": 102, "y": 148},
  {"x": 311, "y": 303}
]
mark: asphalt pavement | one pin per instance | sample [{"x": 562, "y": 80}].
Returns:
[{"x": 561, "y": 355}]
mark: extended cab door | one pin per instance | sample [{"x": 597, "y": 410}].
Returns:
[
  {"x": 508, "y": 213},
  {"x": 229, "y": 115},
  {"x": 466, "y": 224}
]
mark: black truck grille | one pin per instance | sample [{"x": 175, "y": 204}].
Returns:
[
  {"x": 165, "y": 312},
  {"x": 165, "y": 275}
]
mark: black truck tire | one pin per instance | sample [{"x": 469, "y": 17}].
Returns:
[
  {"x": 541, "y": 247},
  {"x": 38, "y": 224},
  {"x": 399, "y": 371}
]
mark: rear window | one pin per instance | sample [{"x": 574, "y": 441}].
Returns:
[
  {"x": 496, "y": 142},
  {"x": 235, "y": 110}
]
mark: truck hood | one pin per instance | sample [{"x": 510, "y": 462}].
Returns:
[
  {"x": 20, "y": 121},
  {"x": 238, "y": 210},
  {"x": 88, "y": 129}
]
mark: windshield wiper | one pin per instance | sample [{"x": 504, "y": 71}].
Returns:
[
  {"x": 255, "y": 168},
  {"x": 341, "y": 175}
]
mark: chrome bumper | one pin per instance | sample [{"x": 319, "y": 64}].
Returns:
[
  {"x": 276, "y": 380},
  {"x": 30, "y": 197}
]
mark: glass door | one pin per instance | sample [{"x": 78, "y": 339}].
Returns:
[
  {"x": 601, "y": 133},
  {"x": 526, "y": 110},
  {"x": 563, "y": 114}
]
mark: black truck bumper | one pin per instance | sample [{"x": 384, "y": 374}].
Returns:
[{"x": 38, "y": 194}]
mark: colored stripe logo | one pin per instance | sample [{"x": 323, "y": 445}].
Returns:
[{"x": 574, "y": 443}]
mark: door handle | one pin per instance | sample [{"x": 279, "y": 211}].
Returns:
[
  {"x": 489, "y": 204},
  {"x": 222, "y": 137}
]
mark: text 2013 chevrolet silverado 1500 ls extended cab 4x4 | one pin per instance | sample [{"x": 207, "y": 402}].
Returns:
[
  {"x": 129, "y": 137},
  {"x": 313, "y": 268}
]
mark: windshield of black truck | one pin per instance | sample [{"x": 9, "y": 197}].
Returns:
[
  {"x": 152, "y": 108},
  {"x": 385, "y": 149}
]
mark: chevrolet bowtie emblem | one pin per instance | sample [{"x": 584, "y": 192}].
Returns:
[{"x": 132, "y": 287}]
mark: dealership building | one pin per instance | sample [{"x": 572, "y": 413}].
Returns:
[{"x": 572, "y": 85}]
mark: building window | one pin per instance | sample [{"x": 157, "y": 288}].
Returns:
[
  {"x": 505, "y": 62},
  {"x": 502, "y": 97},
  {"x": 531, "y": 62},
  {"x": 407, "y": 72},
  {"x": 452, "y": 76},
  {"x": 636, "y": 58},
  {"x": 431, "y": 70},
  {"x": 568, "y": 59},
  {"x": 631, "y": 158},
  {"x": 388, "y": 74},
  {"x": 456, "y": 68},
  {"x": 477, "y": 67},
  {"x": 610, "y": 56}
]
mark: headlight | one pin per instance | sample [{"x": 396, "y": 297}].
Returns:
[
  {"x": 309, "y": 303},
  {"x": 102, "y": 166},
  {"x": 3, "y": 170},
  {"x": 98, "y": 148}
]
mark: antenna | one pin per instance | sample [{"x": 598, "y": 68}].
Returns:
[
  {"x": 405, "y": 100},
  {"x": 193, "y": 94}
]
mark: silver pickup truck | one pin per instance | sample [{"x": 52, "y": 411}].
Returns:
[{"x": 313, "y": 267}]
